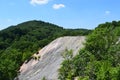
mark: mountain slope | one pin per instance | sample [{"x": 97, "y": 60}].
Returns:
[
  {"x": 50, "y": 59},
  {"x": 99, "y": 59},
  {"x": 18, "y": 43}
]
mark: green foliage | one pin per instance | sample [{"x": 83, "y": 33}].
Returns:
[
  {"x": 18, "y": 43},
  {"x": 83, "y": 78},
  {"x": 100, "y": 59},
  {"x": 8, "y": 67},
  {"x": 68, "y": 54},
  {"x": 44, "y": 78},
  {"x": 66, "y": 71},
  {"x": 101, "y": 40}
]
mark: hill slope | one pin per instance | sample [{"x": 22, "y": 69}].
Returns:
[
  {"x": 18, "y": 43},
  {"x": 50, "y": 59},
  {"x": 99, "y": 59}
]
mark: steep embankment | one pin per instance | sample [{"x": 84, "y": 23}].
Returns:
[{"x": 50, "y": 59}]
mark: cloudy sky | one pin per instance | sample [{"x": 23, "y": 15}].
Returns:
[{"x": 66, "y": 13}]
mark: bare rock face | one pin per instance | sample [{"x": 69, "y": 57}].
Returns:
[{"x": 49, "y": 58}]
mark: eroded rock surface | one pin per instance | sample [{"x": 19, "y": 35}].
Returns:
[{"x": 50, "y": 59}]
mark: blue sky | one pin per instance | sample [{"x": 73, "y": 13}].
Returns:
[{"x": 66, "y": 13}]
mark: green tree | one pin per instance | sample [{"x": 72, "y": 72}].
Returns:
[
  {"x": 100, "y": 58},
  {"x": 65, "y": 72}
]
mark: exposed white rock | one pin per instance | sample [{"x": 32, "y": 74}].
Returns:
[{"x": 50, "y": 59}]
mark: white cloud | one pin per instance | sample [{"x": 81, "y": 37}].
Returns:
[
  {"x": 58, "y": 6},
  {"x": 107, "y": 12},
  {"x": 38, "y": 2}
]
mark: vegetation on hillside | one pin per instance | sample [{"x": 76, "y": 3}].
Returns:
[
  {"x": 99, "y": 59},
  {"x": 18, "y": 43}
]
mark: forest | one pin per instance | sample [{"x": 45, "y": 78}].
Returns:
[
  {"x": 18, "y": 43},
  {"x": 99, "y": 59}
]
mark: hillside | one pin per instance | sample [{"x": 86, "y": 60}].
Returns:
[
  {"x": 99, "y": 59},
  {"x": 19, "y": 42},
  {"x": 50, "y": 59}
]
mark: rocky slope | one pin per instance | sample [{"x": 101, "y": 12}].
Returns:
[{"x": 47, "y": 61}]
